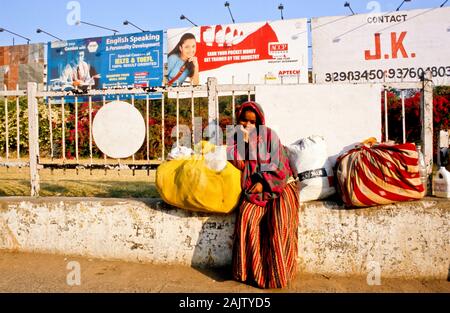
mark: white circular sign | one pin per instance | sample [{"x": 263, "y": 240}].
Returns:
[{"x": 118, "y": 130}]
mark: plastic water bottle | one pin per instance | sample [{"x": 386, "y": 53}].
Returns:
[
  {"x": 441, "y": 183},
  {"x": 422, "y": 168}
]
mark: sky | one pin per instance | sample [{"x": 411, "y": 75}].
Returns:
[{"x": 24, "y": 16}]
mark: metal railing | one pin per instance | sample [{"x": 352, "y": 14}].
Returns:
[
  {"x": 426, "y": 114},
  {"x": 211, "y": 91},
  {"x": 35, "y": 99},
  {"x": 12, "y": 97}
]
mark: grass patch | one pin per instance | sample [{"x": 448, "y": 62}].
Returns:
[{"x": 60, "y": 183}]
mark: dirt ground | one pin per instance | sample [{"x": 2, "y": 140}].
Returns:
[{"x": 25, "y": 272}]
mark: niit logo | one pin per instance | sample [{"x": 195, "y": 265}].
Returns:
[{"x": 276, "y": 48}]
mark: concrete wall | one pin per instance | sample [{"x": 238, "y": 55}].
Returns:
[
  {"x": 343, "y": 114},
  {"x": 406, "y": 240}
]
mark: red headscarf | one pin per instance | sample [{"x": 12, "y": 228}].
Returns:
[{"x": 264, "y": 159}]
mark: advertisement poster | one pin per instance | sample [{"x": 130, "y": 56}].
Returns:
[
  {"x": 21, "y": 64},
  {"x": 122, "y": 61},
  {"x": 256, "y": 53},
  {"x": 386, "y": 47}
]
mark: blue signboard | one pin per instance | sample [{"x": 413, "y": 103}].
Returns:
[{"x": 123, "y": 61}]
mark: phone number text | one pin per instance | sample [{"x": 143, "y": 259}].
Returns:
[{"x": 393, "y": 73}]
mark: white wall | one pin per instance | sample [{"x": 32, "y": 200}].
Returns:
[
  {"x": 343, "y": 114},
  {"x": 332, "y": 241}
]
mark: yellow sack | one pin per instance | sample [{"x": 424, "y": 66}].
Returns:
[
  {"x": 190, "y": 184},
  {"x": 204, "y": 147}
]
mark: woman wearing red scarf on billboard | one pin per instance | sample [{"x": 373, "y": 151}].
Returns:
[{"x": 182, "y": 62}]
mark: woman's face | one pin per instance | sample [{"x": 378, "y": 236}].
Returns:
[
  {"x": 249, "y": 117},
  {"x": 188, "y": 49}
]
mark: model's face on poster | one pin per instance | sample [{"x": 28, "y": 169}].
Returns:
[
  {"x": 188, "y": 49},
  {"x": 81, "y": 57}
]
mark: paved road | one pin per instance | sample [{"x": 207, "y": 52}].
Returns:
[{"x": 22, "y": 272}]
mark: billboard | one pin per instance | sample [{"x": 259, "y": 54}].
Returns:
[
  {"x": 255, "y": 53},
  {"x": 386, "y": 47},
  {"x": 122, "y": 61},
  {"x": 20, "y": 65}
]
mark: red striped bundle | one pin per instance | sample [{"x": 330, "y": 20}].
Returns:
[{"x": 381, "y": 174}]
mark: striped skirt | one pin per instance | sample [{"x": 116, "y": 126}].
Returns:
[{"x": 266, "y": 241}]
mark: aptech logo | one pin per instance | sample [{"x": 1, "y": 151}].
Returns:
[
  {"x": 276, "y": 48},
  {"x": 289, "y": 73}
]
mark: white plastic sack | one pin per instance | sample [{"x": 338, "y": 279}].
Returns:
[
  {"x": 217, "y": 160},
  {"x": 309, "y": 160},
  {"x": 180, "y": 152}
]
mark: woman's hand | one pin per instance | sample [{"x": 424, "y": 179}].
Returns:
[
  {"x": 194, "y": 60},
  {"x": 256, "y": 188},
  {"x": 246, "y": 131}
]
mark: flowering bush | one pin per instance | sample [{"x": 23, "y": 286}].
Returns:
[
  {"x": 441, "y": 115},
  {"x": 154, "y": 126},
  {"x": 83, "y": 131},
  {"x": 44, "y": 128}
]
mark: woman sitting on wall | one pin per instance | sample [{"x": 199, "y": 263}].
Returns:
[{"x": 266, "y": 234}]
